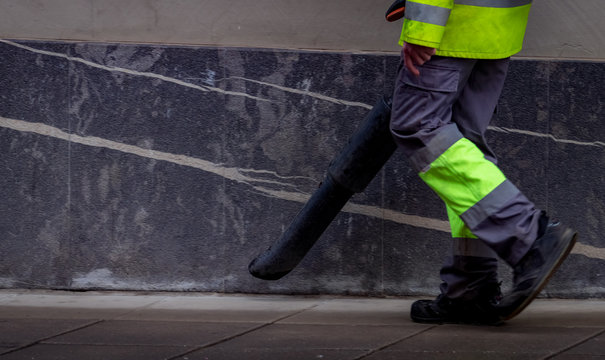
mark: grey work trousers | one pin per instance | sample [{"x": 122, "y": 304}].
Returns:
[{"x": 451, "y": 99}]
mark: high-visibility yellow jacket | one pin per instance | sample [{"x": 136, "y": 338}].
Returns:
[{"x": 478, "y": 29}]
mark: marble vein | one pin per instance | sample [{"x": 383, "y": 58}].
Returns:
[
  {"x": 132, "y": 72},
  {"x": 302, "y": 92},
  {"x": 236, "y": 174},
  {"x": 549, "y": 136},
  {"x": 283, "y": 88},
  {"x": 239, "y": 175},
  {"x": 369, "y": 107},
  {"x": 589, "y": 251},
  {"x": 230, "y": 173}
]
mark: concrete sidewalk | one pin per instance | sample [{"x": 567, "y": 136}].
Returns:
[{"x": 101, "y": 325}]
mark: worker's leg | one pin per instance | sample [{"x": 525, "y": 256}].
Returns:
[
  {"x": 474, "y": 189},
  {"x": 455, "y": 167},
  {"x": 473, "y": 266}
]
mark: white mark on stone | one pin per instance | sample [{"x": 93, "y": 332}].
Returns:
[
  {"x": 133, "y": 72},
  {"x": 305, "y": 92},
  {"x": 210, "y": 76},
  {"x": 95, "y": 278},
  {"x": 235, "y": 174},
  {"x": 397, "y": 217},
  {"x": 589, "y": 251},
  {"x": 283, "y": 88},
  {"x": 210, "y": 79},
  {"x": 239, "y": 175},
  {"x": 140, "y": 219},
  {"x": 306, "y": 85},
  {"x": 227, "y": 172},
  {"x": 7, "y": 282},
  {"x": 103, "y": 183},
  {"x": 549, "y": 136},
  {"x": 105, "y": 279}
]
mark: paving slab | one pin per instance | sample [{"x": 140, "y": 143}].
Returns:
[
  {"x": 314, "y": 340},
  {"x": 16, "y": 333},
  {"x": 93, "y": 352},
  {"x": 220, "y": 308},
  {"x": 60, "y": 325},
  {"x": 164, "y": 333},
  {"x": 563, "y": 312},
  {"x": 594, "y": 347},
  {"x": 356, "y": 312},
  {"x": 493, "y": 342},
  {"x": 224, "y": 353},
  {"x": 69, "y": 305}
]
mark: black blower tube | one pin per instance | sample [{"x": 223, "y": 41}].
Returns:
[{"x": 350, "y": 172}]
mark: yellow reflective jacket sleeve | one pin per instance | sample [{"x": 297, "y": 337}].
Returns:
[
  {"x": 479, "y": 29},
  {"x": 425, "y": 21}
]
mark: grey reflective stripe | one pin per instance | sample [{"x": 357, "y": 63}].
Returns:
[
  {"x": 423, "y": 158},
  {"x": 490, "y": 204},
  {"x": 493, "y": 3},
  {"x": 472, "y": 247},
  {"x": 429, "y": 14}
]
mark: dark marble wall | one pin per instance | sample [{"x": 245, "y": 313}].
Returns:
[{"x": 169, "y": 168}]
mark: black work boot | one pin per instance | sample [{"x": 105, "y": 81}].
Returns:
[
  {"x": 535, "y": 269},
  {"x": 443, "y": 310}
]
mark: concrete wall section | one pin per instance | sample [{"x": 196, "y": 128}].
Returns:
[
  {"x": 170, "y": 168},
  {"x": 266, "y": 23},
  {"x": 566, "y": 29},
  {"x": 558, "y": 29}
]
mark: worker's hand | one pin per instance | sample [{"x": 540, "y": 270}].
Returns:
[{"x": 416, "y": 55}]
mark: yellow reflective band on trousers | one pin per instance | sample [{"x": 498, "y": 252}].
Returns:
[
  {"x": 459, "y": 228},
  {"x": 462, "y": 176},
  {"x": 494, "y": 30}
]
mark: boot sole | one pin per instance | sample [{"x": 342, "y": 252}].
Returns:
[
  {"x": 495, "y": 321},
  {"x": 563, "y": 255},
  {"x": 456, "y": 322}
]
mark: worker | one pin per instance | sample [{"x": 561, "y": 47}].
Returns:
[{"x": 454, "y": 61}]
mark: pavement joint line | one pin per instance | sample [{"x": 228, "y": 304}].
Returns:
[
  {"x": 28, "y": 345},
  {"x": 140, "y": 308},
  {"x": 576, "y": 344},
  {"x": 393, "y": 343},
  {"x": 240, "y": 334}
]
